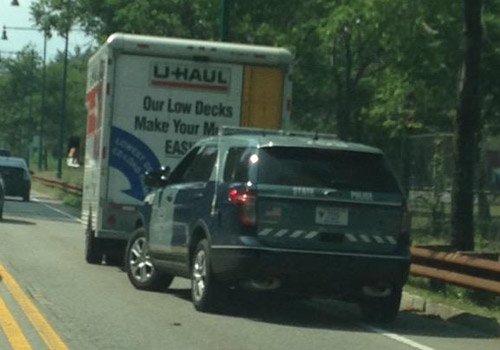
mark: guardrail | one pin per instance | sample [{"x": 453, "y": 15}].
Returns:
[
  {"x": 449, "y": 267},
  {"x": 456, "y": 268},
  {"x": 59, "y": 184}
]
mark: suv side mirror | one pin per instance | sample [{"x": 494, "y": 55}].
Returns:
[{"x": 157, "y": 178}]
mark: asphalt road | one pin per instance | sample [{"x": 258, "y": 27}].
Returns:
[{"x": 62, "y": 302}]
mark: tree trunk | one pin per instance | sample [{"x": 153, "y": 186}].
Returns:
[
  {"x": 483, "y": 205},
  {"x": 467, "y": 127}
]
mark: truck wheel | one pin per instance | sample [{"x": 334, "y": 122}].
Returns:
[
  {"x": 93, "y": 251},
  {"x": 382, "y": 309},
  {"x": 140, "y": 269},
  {"x": 205, "y": 290}
]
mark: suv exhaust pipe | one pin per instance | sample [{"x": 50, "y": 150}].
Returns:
[
  {"x": 378, "y": 291},
  {"x": 262, "y": 285}
]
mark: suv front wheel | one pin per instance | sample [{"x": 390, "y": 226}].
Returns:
[{"x": 140, "y": 269}]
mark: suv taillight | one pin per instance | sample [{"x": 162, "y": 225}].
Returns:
[{"x": 244, "y": 199}]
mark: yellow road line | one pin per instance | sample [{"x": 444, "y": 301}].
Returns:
[
  {"x": 44, "y": 329},
  {"x": 11, "y": 329}
]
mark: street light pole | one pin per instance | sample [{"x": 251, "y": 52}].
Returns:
[
  {"x": 63, "y": 106},
  {"x": 223, "y": 20},
  {"x": 42, "y": 114}
]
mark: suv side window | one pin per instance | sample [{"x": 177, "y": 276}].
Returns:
[
  {"x": 181, "y": 168},
  {"x": 198, "y": 166},
  {"x": 238, "y": 164}
]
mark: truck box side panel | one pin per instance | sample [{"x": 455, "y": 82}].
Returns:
[{"x": 97, "y": 112}]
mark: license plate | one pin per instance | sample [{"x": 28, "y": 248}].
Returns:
[{"x": 332, "y": 216}]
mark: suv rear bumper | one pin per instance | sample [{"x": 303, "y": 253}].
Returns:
[{"x": 317, "y": 273}]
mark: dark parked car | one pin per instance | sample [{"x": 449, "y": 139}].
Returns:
[
  {"x": 304, "y": 214},
  {"x": 2, "y": 196},
  {"x": 16, "y": 176}
]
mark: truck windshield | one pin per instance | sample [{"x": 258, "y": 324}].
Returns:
[{"x": 346, "y": 170}]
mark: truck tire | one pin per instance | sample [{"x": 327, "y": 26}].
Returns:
[
  {"x": 93, "y": 251},
  {"x": 140, "y": 269},
  {"x": 206, "y": 292},
  {"x": 382, "y": 309}
]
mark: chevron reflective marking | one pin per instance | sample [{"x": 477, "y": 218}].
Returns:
[
  {"x": 265, "y": 232},
  {"x": 311, "y": 235},
  {"x": 351, "y": 237},
  {"x": 365, "y": 238},
  {"x": 281, "y": 233},
  {"x": 391, "y": 239},
  {"x": 296, "y": 234},
  {"x": 378, "y": 239}
]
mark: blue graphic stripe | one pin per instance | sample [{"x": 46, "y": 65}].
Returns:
[{"x": 132, "y": 157}]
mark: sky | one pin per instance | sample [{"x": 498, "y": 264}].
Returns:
[{"x": 19, "y": 16}]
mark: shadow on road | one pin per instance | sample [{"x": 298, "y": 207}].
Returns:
[
  {"x": 16, "y": 221},
  {"x": 333, "y": 315},
  {"x": 181, "y": 293},
  {"x": 17, "y": 211}
]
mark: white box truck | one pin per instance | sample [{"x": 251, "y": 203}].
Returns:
[{"x": 149, "y": 99}]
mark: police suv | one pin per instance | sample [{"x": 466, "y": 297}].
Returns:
[{"x": 274, "y": 210}]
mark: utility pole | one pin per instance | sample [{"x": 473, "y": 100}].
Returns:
[
  {"x": 42, "y": 114},
  {"x": 63, "y": 106}
]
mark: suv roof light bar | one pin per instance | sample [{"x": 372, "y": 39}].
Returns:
[{"x": 234, "y": 130}]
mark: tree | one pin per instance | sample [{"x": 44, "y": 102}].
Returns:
[
  {"x": 467, "y": 129},
  {"x": 174, "y": 18},
  {"x": 18, "y": 86}
]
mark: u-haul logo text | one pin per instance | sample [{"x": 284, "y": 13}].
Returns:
[{"x": 182, "y": 76}]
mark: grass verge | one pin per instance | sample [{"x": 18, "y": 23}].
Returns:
[
  {"x": 67, "y": 198},
  {"x": 475, "y": 302}
]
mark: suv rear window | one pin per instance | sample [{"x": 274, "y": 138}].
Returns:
[
  {"x": 12, "y": 171},
  {"x": 345, "y": 170},
  {"x": 238, "y": 164}
]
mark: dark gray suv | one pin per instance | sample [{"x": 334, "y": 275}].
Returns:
[
  {"x": 276, "y": 211},
  {"x": 17, "y": 177}
]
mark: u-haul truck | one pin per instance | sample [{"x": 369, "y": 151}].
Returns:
[{"x": 149, "y": 100}]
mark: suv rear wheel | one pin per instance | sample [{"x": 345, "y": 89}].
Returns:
[
  {"x": 382, "y": 309},
  {"x": 140, "y": 269},
  {"x": 205, "y": 290}
]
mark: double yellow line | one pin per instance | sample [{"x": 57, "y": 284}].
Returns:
[{"x": 11, "y": 328}]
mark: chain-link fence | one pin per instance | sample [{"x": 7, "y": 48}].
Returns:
[{"x": 425, "y": 166}]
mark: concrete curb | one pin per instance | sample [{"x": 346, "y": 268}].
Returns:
[{"x": 417, "y": 304}]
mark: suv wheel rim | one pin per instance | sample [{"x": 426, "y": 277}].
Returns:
[
  {"x": 140, "y": 264},
  {"x": 199, "y": 275}
]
